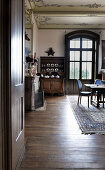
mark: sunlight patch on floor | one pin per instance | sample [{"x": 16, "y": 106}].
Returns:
[{"x": 70, "y": 121}]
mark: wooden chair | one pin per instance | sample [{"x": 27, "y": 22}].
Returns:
[{"x": 82, "y": 93}]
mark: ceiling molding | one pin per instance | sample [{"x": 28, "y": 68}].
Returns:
[
  {"x": 41, "y": 3},
  {"x": 28, "y": 17},
  {"x": 70, "y": 14},
  {"x": 46, "y": 14},
  {"x": 74, "y": 26},
  {"x": 28, "y": 26},
  {"x": 82, "y": 24},
  {"x": 95, "y": 5},
  {"x": 42, "y": 20},
  {"x": 28, "y": 13}
]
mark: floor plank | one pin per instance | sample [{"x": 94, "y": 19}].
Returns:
[{"x": 54, "y": 141}]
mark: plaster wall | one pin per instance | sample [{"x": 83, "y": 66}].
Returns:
[{"x": 55, "y": 38}]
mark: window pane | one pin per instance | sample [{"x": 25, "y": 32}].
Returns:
[
  {"x": 89, "y": 70},
  {"x": 76, "y": 70},
  {"x": 71, "y": 70},
  {"x": 86, "y": 55},
  {"x": 74, "y": 55},
  {"x": 84, "y": 70},
  {"x": 75, "y": 43},
  {"x": 86, "y": 43},
  {"x": 86, "y": 59}
]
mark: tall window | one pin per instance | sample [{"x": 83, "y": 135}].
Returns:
[{"x": 80, "y": 58}]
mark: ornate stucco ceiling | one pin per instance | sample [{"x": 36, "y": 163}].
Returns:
[
  {"x": 68, "y": 13},
  {"x": 28, "y": 13}
]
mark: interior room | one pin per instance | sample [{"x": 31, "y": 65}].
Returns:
[
  {"x": 65, "y": 107},
  {"x": 52, "y": 84}
]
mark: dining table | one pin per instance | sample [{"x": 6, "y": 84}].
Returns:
[{"x": 99, "y": 90}]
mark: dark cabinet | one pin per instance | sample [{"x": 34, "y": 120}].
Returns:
[
  {"x": 52, "y": 64},
  {"x": 52, "y": 70},
  {"x": 45, "y": 85},
  {"x": 52, "y": 86}
]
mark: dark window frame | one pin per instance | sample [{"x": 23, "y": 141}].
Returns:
[
  {"x": 84, "y": 34},
  {"x": 81, "y": 49}
]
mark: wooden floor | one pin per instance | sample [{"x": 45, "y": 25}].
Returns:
[{"x": 54, "y": 140}]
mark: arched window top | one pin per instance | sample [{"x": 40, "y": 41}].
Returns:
[
  {"x": 81, "y": 54},
  {"x": 83, "y": 33},
  {"x": 76, "y": 42}
]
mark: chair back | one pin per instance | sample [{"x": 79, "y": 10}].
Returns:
[
  {"x": 98, "y": 81},
  {"x": 79, "y": 85}
]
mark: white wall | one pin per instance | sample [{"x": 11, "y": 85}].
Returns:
[
  {"x": 55, "y": 38},
  {"x": 51, "y": 38}
]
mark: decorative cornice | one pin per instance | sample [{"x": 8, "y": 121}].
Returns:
[
  {"x": 42, "y": 20},
  {"x": 42, "y": 17},
  {"x": 28, "y": 20},
  {"x": 28, "y": 12},
  {"x": 82, "y": 24},
  {"x": 74, "y": 26},
  {"x": 92, "y": 15},
  {"x": 41, "y": 3},
  {"x": 95, "y": 5}
]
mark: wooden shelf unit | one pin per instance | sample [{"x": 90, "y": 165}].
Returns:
[{"x": 51, "y": 65}]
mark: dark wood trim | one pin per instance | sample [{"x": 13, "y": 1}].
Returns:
[
  {"x": 80, "y": 58},
  {"x": 4, "y": 79},
  {"x": 1, "y": 134},
  {"x": 84, "y": 34},
  {"x": 93, "y": 60},
  {"x": 97, "y": 58},
  {"x": 103, "y": 53},
  {"x": 5, "y": 85}
]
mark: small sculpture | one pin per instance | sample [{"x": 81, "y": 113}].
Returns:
[{"x": 50, "y": 51}]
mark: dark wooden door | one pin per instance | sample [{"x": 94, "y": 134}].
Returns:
[
  {"x": 0, "y": 97},
  {"x": 0, "y": 124},
  {"x": 17, "y": 81},
  {"x": 3, "y": 88}
]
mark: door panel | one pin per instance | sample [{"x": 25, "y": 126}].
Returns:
[
  {"x": 0, "y": 98},
  {"x": 46, "y": 85},
  {"x": 17, "y": 81},
  {"x": 56, "y": 85},
  {"x": 0, "y": 122}
]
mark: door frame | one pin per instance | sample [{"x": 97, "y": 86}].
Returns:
[
  {"x": 4, "y": 83},
  {"x": 5, "y": 86}
]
